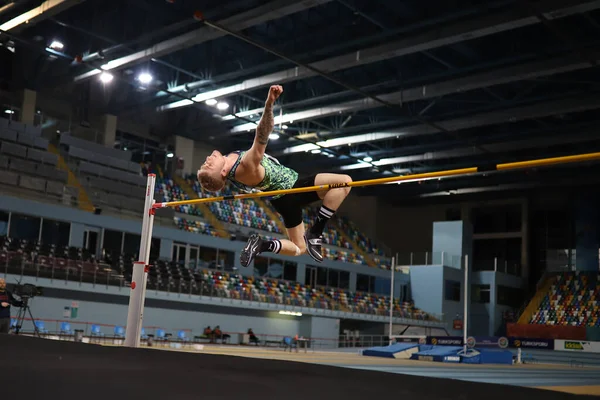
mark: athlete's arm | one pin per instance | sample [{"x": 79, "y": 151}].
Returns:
[{"x": 264, "y": 129}]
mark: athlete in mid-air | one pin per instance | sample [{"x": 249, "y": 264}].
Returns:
[{"x": 253, "y": 170}]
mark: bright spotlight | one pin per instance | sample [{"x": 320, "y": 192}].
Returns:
[
  {"x": 145, "y": 77},
  {"x": 273, "y": 136},
  {"x": 284, "y": 127},
  {"x": 368, "y": 159},
  {"x": 56, "y": 45},
  {"x": 211, "y": 102},
  {"x": 222, "y": 106},
  {"x": 316, "y": 151},
  {"x": 170, "y": 155},
  {"x": 106, "y": 77},
  {"x": 7, "y": 111}
]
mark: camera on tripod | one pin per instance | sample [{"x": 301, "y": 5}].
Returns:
[{"x": 27, "y": 290}]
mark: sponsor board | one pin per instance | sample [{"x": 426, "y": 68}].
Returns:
[
  {"x": 445, "y": 340},
  {"x": 581, "y": 346},
  {"x": 526, "y": 343}
]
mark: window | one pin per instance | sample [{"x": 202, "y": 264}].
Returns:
[
  {"x": 321, "y": 276},
  {"x": 131, "y": 244},
  {"x": 4, "y": 216},
  {"x": 509, "y": 296},
  {"x": 365, "y": 283},
  {"x": 261, "y": 266},
  {"x": 344, "y": 280},
  {"x": 24, "y": 227},
  {"x": 496, "y": 219},
  {"x": 480, "y": 293},
  {"x": 226, "y": 260},
  {"x": 290, "y": 271},
  {"x": 333, "y": 278},
  {"x": 55, "y": 232},
  {"x": 208, "y": 257},
  {"x": 113, "y": 240},
  {"x": 452, "y": 290}
]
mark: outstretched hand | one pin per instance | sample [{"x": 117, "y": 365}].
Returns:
[{"x": 274, "y": 93}]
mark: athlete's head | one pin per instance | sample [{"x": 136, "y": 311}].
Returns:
[{"x": 212, "y": 173}]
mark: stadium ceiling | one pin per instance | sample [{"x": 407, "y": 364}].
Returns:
[{"x": 371, "y": 88}]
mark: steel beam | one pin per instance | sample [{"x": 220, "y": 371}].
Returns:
[
  {"x": 46, "y": 10},
  {"x": 256, "y": 16},
  {"x": 539, "y": 110},
  {"x": 525, "y": 143},
  {"x": 441, "y": 36},
  {"x": 486, "y": 79}
]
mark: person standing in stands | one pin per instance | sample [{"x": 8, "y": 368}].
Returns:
[{"x": 6, "y": 300}]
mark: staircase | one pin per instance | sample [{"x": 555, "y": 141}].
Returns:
[
  {"x": 206, "y": 213},
  {"x": 273, "y": 216},
  {"x": 535, "y": 302},
  {"x": 370, "y": 261},
  {"x": 83, "y": 200}
]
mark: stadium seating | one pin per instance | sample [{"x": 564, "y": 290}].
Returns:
[
  {"x": 115, "y": 269},
  {"x": 573, "y": 299},
  {"x": 245, "y": 213}
]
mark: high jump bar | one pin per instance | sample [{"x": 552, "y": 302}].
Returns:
[{"x": 379, "y": 181}]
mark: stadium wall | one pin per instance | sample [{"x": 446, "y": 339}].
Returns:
[{"x": 109, "y": 305}]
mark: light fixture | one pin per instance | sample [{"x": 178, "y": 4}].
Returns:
[
  {"x": 368, "y": 159},
  {"x": 284, "y": 127},
  {"x": 294, "y": 313},
  {"x": 7, "y": 111},
  {"x": 222, "y": 106},
  {"x": 56, "y": 45},
  {"x": 106, "y": 77},
  {"x": 273, "y": 136},
  {"x": 170, "y": 155},
  {"x": 211, "y": 102},
  {"x": 145, "y": 77},
  {"x": 316, "y": 151}
]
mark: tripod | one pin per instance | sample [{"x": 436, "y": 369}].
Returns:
[{"x": 23, "y": 310}]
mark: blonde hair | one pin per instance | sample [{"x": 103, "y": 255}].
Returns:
[{"x": 210, "y": 181}]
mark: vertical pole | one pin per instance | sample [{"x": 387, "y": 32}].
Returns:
[
  {"x": 466, "y": 299},
  {"x": 139, "y": 276},
  {"x": 392, "y": 298}
]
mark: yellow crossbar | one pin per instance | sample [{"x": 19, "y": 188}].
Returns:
[{"x": 414, "y": 177}]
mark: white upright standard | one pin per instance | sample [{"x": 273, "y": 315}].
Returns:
[
  {"x": 137, "y": 292},
  {"x": 466, "y": 305},
  {"x": 392, "y": 300}
]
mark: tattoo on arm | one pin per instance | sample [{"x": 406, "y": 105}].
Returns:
[{"x": 266, "y": 125}]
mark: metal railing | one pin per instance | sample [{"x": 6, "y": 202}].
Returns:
[{"x": 99, "y": 274}]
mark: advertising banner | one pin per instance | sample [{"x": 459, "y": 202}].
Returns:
[
  {"x": 528, "y": 343},
  {"x": 445, "y": 340},
  {"x": 577, "y": 346}
]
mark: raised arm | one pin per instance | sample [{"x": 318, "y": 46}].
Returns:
[{"x": 264, "y": 128}]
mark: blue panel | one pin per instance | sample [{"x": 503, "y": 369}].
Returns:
[{"x": 388, "y": 351}]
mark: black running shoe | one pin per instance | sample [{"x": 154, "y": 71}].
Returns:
[
  {"x": 251, "y": 250},
  {"x": 313, "y": 246}
]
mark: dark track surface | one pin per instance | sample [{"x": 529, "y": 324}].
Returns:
[{"x": 38, "y": 368}]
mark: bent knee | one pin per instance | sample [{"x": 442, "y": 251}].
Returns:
[
  {"x": 347, "y": 179},
  {"x": 300, "y": 248}
]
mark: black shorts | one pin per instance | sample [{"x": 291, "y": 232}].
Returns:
[{"x": 290, "y": 206}]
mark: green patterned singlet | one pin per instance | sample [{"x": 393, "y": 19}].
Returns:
[{"x": 277, "y": 176}]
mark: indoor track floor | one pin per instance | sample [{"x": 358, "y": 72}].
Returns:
[
  {"x": 552, "y": 377},
  {"x": 36, "y": 368}
]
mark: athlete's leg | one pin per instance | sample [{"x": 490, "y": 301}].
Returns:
[
  {"x": 256, "y": 245},
  {"x": 332, "y": 200}
]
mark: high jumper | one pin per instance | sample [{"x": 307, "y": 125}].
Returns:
[{"x": 253, "y": 170}]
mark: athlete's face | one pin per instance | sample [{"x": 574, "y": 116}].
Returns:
[
  {"x": 2, "y": 284},
  {"x": 214, "y": 162}
]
